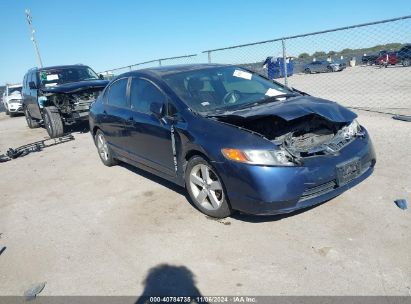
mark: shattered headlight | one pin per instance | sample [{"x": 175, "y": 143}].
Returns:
[
  {"x": 259, "y": 157},
  {"x": 352, "y": 129}
]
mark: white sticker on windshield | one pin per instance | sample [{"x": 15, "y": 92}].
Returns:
[
  {"x": 51, "y": 84},
  {"x": 52, "y": 77},
  {"x": 242, "y": 74},
  {"x": 273, "y": 92},
  {"x": 205, "y": 103}
]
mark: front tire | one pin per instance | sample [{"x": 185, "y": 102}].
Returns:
[
  {"x": 307, "y": 71},
  {"x": 406, "y": 62},
  {"x": 7, "y": 112},
  {"x": 53, "y": 122},
  {"x": 206, "y": 188},
  {"x": 104, "y": 150}
]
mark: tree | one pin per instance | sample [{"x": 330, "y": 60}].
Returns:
[
  {"x": 319, "y": 54},
  {"x": 331, "y": 53},
  {"x": 347, "y": 51},
  {"x": 303, "y": 55}
]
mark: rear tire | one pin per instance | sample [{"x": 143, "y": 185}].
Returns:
[
  {"x": 53, "y": 122},
  {"x": 330, "y": 69},
  {"x": 104, "y": 150},
  {"x": 206, "y": 189},
  {"x": 31, "y": 123}
]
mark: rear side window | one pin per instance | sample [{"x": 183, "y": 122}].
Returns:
[
  {"x": 117, "y": 94},
  {"x": 143, "y": 93}
]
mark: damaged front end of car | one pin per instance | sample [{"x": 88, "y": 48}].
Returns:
[
  {"x": 73, "y": 100},
  {"x": 318, "y": 151},
  {"x": 300, "y": 131},
  {"x": 73, "y": 105}
]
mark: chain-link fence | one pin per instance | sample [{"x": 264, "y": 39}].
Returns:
[
  {"x": 185, "y": 59},
  {"x": 363, "y": 66}
]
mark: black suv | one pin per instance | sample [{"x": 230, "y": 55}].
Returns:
[
  {"x": 404, "y": 55},
  {"x": 59, "y": 96}
]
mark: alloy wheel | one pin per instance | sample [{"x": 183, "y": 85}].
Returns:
[
  {"x": 102, "y": 146},
  {"x": 206, "y": 187}
]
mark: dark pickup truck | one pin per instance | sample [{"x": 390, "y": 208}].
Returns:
[{"x": 60, "y": 95}]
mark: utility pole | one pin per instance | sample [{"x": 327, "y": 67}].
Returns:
[{"x": 33, "y": 37}]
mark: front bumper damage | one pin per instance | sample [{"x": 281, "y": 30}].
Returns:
[{"x": 264, "y": 190}]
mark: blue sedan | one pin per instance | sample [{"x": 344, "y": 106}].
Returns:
[{"x": 234, "y": 139}]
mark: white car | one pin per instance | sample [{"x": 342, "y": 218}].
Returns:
[{"x": 12, "y": 99}]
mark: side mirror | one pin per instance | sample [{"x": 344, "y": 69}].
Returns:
[
  {"x": 156, "y": 109},
  {"x": 32, "y": 85},
  {"x": 101, "y": 76}
]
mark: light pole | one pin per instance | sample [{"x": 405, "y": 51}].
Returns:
[{"x": 33, "y": 37}]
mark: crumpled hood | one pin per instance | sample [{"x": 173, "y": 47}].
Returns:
[
  {"x": 297, "y": 107},
  {"x": 72, "y": 87}
]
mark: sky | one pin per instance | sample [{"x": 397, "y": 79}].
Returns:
[{"x": 109, "y": 34}]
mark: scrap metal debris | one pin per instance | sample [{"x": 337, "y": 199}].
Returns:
[
  {"x": 401, "y": 203},
  {"x": 402, "y": 117},
  {"x": 34, "y": 290},
  {"x": 37, "y": 146}
]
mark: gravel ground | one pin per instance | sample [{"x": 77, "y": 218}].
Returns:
[
  {"x": 87, "y": 229},
  {"x": 361, "y": 86}
]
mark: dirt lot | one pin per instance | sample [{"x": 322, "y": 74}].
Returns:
[
  {"x": 91, "y": 230},
  {"x": 361, "y": 86}
]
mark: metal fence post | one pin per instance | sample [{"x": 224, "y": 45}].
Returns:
[
  {"x": 209, "y": 57},
  {"x": 285, "y": 63},
  {"x": 159, "y": 62}
]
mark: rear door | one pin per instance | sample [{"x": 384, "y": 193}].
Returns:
[
  {"x": 151, "y": 137},
  {"x": 115, "y": 112}
]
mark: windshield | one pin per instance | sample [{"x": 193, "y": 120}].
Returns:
[
  {"x": 52, "y": 77},
  {"x": 223, "y": 88},
  {"x": 14, "y": 90}
]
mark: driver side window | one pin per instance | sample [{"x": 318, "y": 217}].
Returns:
[{"x": 143, "y": 93}]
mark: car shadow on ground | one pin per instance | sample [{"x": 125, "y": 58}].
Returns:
[
  {"x": 80, "y": 127},
  {"x": 236, "y": 215},
  {"x": 169, "y": 281},
  {"x": 159, "y": 180},
  {"x": 249, "y": 218}
]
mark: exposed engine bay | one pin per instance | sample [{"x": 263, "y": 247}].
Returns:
[
  {"x": 73, "y": 105},
  {"x": 302, "y": 137}
]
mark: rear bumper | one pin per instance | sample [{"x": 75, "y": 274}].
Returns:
[{"x": 274, "y": 190}]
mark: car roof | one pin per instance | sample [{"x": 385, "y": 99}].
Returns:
[
  {"x": 58, "y": 67},
  {"x": 62, "y": 66},
  {"x": 174, "y": 69}
]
